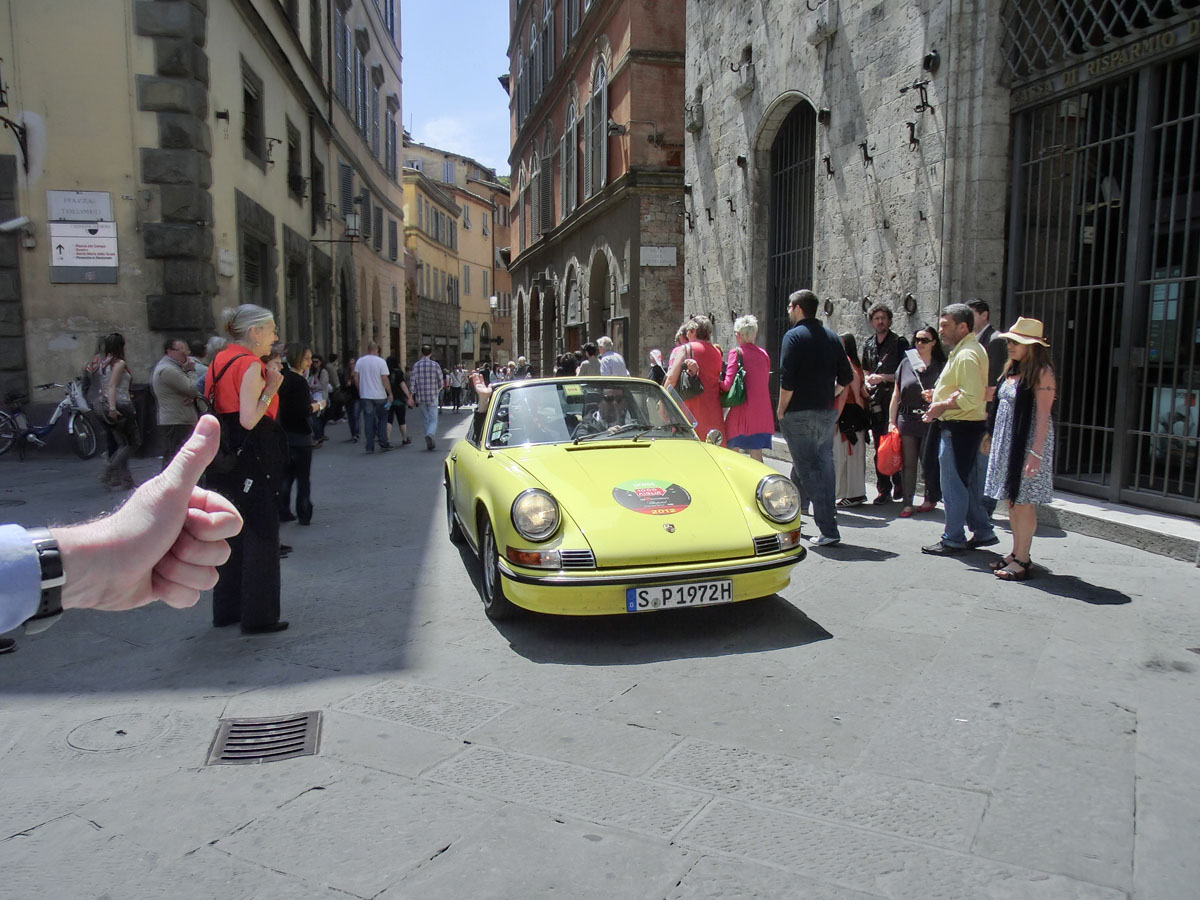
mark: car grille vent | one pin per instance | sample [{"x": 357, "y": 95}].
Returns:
[
  {"x": 768, "y": 544},
  {"x": 578, "y": 559},
  {"x": 241, "y": 741}
]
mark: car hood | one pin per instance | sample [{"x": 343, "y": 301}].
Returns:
[{"x": 655, "y": 502}]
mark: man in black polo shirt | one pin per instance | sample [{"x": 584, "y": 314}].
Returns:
[
  {"x": 881, "y": 357},
  {"x": 811, "y": 361}
]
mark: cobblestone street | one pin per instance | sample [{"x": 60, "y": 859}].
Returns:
[{"x": 892, "y": 725}]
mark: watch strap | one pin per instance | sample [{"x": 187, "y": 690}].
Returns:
[{"x": 53, "y": 579}]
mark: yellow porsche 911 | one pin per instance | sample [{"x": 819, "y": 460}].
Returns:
[{"x": 590, "y": 496}]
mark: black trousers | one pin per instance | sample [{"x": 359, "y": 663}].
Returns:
[
  {"x": 298, "y": 472},
  {"x": 247, "y": 588}
]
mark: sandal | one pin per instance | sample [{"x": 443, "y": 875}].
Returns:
[
  {"x": 906, "y": 513},
  {"x": 1024, "y": 571},
  {"x": 997, "y": 564}
]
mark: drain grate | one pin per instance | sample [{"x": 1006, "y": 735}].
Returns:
[{"x": 242, "y": 741}]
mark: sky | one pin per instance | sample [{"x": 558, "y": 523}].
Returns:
[{"x": 454, "y": 50}]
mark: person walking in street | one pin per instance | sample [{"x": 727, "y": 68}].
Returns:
[
  {"x": 997, "y": 353},
  {"x": 702, "y": 358},
  {"x": 957, "y": 402},
  {"x": 880, "y": 359},
  {"x": 374, "y": 385},
  {"x": 296, "y": 409},
  {"x": 850, "y": 439},
  {"x": 590, "y": 364},
  {"x": 811, "y": 362},
  {"x": 350, "y": 398},
  {"x": 749, "y": 426},
  {"x": 1021, "y": 462},
  {"x": 426, "y": 382},
  {"x": 402, "y": 399},
  {"x": 243, "y": 391},
  {"x": 611, "y": 362},
  {"x": 120, "y": 418},
  {"x": 319, "y": 388},
  {"x": 176, "y": 393},
  {"x": 905, "y": 415}
]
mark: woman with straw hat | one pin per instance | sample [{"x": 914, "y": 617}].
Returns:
[{"x": 1021, "y": 461}]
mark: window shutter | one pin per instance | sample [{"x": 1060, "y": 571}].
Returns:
[
  {"x": 548, "y": 50},
  {"x": 466, "y": 282},
  {"x": 420, "y": 214},
  {"x": 339, "y": 51},
  {"x": 375, "y": 121},
  {"x": 547, "y": 198},
  {"x": 587, "y": 150},
  {"x": 393, "y": 240},
  {"x": 602, "y": 135},
  {"x": 562, "y": 175},
  {"x": 378, "y": 229},
  {"x": 346, "y": 188},
  {"x": 364, "y": 223},
  {"x": 535, "y": 204}
]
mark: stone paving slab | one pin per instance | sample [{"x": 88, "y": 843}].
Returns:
[
  {"x": 360, "y": 834},
  {"x": 573, "y": 791},
  {"x": 383, "y": 745},
  {"x": 1038, "y": 812},
  {"x": 516, "y": 853},
  {"x": 449, "y": 713},
  {"x": 715, "y": 876},
  {"x": 870, "y": 862},
  {"x": 576, "y": 738},
  {"x": 929, "y": 812}
]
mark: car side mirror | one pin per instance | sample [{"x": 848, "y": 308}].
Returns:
[{"x": 713, "y": 436}]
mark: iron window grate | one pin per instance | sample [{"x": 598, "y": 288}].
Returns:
[
  {"x": 768, "y": 544},
  {"x": 245, "y": 741}
]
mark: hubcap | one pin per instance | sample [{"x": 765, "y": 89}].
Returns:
[{"x": 489, "y": 564}]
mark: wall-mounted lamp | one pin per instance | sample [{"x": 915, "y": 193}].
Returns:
[
  {"x": 352, "y": 231},
  {"x": 824, "y": 116},
  {"x": 653, "y": 138},
  {"x": 932, "y": 61}
]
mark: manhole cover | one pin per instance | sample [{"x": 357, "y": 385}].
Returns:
[
  {"x": 242, "y": 741},
  {"x": 10, "y": 502},
  {"x": 120, "y": 732}
]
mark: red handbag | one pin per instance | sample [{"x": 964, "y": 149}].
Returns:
[{"x": 889, "y": 457}]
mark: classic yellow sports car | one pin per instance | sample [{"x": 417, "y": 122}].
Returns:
[{"x": 590, "y": 496}]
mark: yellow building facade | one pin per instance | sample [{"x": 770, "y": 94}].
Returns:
[{"x": 431, "y": 230}]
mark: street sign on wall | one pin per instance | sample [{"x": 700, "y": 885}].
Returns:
[{"x": 83, "y": 237}]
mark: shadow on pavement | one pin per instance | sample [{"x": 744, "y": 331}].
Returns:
[
  {"x": 770, "y": 623},
  {"x": 844, "y": 552},
  {"x": 1074, "y": 588}
]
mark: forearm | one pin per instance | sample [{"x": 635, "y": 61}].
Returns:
[{"x": 785, "y": 399}]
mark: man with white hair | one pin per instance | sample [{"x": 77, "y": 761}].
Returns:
[
  {"x": 611, "y": 362},
  {"x": 522, "y": 370}
]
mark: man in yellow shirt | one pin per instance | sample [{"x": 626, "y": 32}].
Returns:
[{"x": 959, "y": 406}]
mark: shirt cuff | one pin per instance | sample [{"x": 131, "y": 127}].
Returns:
[{"x": 21, "y": 573}]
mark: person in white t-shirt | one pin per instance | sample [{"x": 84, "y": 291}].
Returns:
[{"x": 374, "y": 385}]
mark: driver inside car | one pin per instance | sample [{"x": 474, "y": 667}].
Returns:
[{"x": 612, "y": 413}]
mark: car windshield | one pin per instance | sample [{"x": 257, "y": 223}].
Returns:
[{"x": 579, "y": 409}]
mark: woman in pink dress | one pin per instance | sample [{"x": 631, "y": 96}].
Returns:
[
  {"x": 706, "y": 406},
  {"x": 750, "y": 425}
]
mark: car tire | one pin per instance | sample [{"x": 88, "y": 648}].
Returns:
[
  {"x": 495, "y": 604},
  {"x": 452, "y": 526}
]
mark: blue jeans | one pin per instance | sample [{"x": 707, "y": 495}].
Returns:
[
  {"x": 809, "y": 436},
  {"x": 429, "y": 413},
  {"x": 374, "y": 421},
  {"x": 963, "y": 500}
]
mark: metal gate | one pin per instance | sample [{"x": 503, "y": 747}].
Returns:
[
  {"x": 1105, "y": 249},
  {"x": 790, "y": 248}
]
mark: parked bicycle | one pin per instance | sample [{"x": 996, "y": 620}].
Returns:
[{"x": 15, "y": 427}]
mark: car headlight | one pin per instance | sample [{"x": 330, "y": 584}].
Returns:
[
  {"x": 535, "y": 515},
  {"x": 778, "y": 498}
]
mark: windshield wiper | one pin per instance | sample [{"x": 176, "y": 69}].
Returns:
[{"x": 612, "y": 432}]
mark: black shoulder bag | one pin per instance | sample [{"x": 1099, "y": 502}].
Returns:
[{"x": 252, "y": 454}]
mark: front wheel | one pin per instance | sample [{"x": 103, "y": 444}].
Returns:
[
  {"x": 83, "y": 438},
  {"x": 8, "y": 432},
  {"x": 495, "y": 604}
]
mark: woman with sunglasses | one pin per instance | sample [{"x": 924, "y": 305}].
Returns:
[
  {"x": 908, "y": 406},
  {"x": 1021, "y": 460}
]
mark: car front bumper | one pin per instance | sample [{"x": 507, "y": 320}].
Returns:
[{"x": 597, "y": 592}]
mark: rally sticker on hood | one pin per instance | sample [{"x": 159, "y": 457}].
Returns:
[{"x": 652, "y": 497}]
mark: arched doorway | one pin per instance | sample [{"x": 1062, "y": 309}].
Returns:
[
  {"x": 790, "y": 197},
  {"x": 600, "y": 296},
  {"x": 536, "y": 342},
  {"x": 519, "y": 347},
  {"x": 550, "y": 341}
]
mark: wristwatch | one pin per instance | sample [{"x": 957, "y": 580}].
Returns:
[{"x": 53, "y": 579}]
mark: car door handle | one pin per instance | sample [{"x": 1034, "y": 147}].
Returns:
[{"x": 453, "y": 457}]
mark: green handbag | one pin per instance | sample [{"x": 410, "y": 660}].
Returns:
[{"x": 736, "y": 395}]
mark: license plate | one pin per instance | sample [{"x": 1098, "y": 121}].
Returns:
[{"x": 700, "y": 593}]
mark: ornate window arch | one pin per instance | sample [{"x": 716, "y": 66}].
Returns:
[{"x": 568, "y": 156}]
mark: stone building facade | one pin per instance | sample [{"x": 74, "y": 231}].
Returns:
[
  {"x": 176, "y": 157},
  {"x": 596, "y": 98},
  {"x": 1035, "y": 154}
]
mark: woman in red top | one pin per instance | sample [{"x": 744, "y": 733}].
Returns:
[
  {"x": 243, "y": 391},
  {"x": 706, "y": 406}
]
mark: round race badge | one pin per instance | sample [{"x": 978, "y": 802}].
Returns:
[{"x": 652, "y": 497}]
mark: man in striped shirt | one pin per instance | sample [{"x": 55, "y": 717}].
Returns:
[{"x": 426, "y": 383}]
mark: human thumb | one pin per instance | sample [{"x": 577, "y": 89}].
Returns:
[{"x": 195, "y": 455}]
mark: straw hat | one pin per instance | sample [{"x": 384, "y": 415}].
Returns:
[{"x": 1027, "y": 331}]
